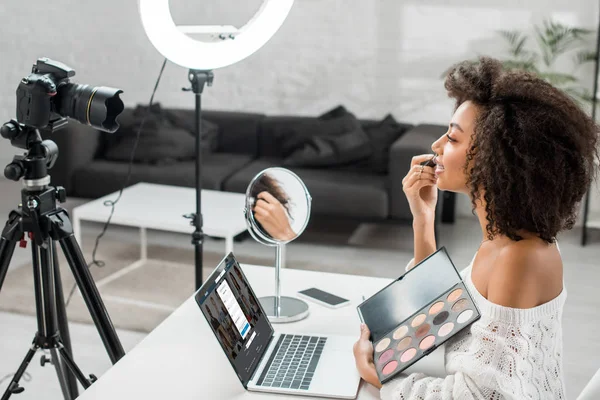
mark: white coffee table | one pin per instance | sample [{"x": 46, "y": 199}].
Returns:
[{"x": 161, "y": 207}]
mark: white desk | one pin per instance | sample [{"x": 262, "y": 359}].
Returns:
[{"x": 181, "y": 359}]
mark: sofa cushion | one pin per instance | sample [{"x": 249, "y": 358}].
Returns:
[
  {"x": 330, "y": 148},
  {"x": 102, "y": 177},
  {"x": 238, "y": 131},
  {"x": 319, "y": 152},
  {"x": 164, "y": 138},
  {"x": 282, "y": 135},
  {"x": 335, "y": 112},
  {"x": 210, "y": 131},
  {"x": 381, "y": 135},
  {"x": 334, "y": 192}
]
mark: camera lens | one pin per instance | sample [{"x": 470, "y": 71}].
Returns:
[{"x": 97, "y": 106}]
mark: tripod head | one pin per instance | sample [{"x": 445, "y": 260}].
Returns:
[
  {"x": 40, "y": 156},
  {"x": 38, "y": 198}
]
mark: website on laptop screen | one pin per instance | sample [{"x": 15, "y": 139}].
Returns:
[{"x": 236, "y": 317}]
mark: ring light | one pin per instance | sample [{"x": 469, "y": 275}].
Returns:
[{"x": 234, "y": 45}]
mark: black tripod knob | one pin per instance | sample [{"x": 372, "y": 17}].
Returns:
[
  {"x": 44, "y": 360},
  {"x": 61, "y": 194},
  {"x": 14, "y": 171},
  {"x": 10, "y": 130},
  {"x": 15, "y": 388}
]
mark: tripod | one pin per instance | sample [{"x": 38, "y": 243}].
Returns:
[{"x": 45, "y": 224}]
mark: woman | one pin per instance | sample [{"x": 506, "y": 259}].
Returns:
[{"x": 524, "y": 152}]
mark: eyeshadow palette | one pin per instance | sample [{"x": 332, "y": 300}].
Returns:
[{"x": 416, "y": 313}]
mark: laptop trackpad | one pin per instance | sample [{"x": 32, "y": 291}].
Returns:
[{"x": 336, "y": 372}]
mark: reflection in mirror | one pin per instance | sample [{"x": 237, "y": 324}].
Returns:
[{"x": 280, "y": 205}]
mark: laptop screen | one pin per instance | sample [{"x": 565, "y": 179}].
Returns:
[{"x": 236, "y": 317}]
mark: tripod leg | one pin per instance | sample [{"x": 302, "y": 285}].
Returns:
[
  {"x": 7, "y": 249},
  {"x": 8, "y": 241},
  {"x": 45, "y": 292},
  {"x": 92, "y": 298},
  {"x": 61, "y": 375},
  {"x": 63, "y": 232},
  {"x": 68, "y": 361},
  {"x": 63, "y": 324},
  {"x": 51, "y": 334},
  {"x": 41, "y": 294},
  {"x": 13, "y": 386}
]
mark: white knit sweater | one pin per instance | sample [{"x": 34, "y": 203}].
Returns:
[{"x": 508, "y": 353}]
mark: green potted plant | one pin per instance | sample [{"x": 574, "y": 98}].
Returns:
[{"x": 555, "y": 42}]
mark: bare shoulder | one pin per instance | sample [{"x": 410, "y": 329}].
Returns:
[{"x": 526, "y": 275}]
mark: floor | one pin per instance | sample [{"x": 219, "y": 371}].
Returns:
[{"x": 384, "y": 249}]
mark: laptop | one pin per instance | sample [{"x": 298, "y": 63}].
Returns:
[{"x": 266, "y": 361}]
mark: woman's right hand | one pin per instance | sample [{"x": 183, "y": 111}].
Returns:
[
  {"x": 271, "y": 214},
  {"x": 420, "y": 187}
]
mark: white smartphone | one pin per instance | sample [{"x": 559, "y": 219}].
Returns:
[{"x": 323, "y": 298}]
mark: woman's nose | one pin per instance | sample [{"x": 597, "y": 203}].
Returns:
[{"x": 438, "y": 145}]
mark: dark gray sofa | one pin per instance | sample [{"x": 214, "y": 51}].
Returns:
[{"x": 248, "y": 143}]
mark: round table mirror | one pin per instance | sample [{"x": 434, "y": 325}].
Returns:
[{"x": 277, "y": 212}]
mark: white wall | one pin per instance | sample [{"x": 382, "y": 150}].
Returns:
[{"x": 374, "y": 57}]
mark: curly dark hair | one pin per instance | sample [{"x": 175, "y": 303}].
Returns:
[
  {"x": 266, "y": 183},
  {"x": 532, "y": 151}
]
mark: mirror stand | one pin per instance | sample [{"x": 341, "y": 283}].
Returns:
[{"x": 279, "y": 308}]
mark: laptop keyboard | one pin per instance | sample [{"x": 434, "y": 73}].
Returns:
[{"x": 293, "y": 362}]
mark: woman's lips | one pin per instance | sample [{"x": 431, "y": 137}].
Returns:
[{"x": 439, "y": 166}]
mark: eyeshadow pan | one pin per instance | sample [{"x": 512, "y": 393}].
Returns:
[
  {"x": 446, "y": 329},
  {"x": 427, "y": 342},
  {"x": 436, "y": 308},
  {"x": 452, "y": 297},
  {"x": 419, "y": 319},
  {"x": 386, "y": 356},
  {"x": 460, "y": 305},
  {"x": 465, "y": 316},
  {"x": 441, "y": 317},
  {"x": 381, "y": 346},
  {"x": 422, "y": 331},
  {"x": 400, "y": 332},
  {"x": 408, "y": 355},
  {"x": 390, "y": 367},
  {"x": 404, "y": 343}
]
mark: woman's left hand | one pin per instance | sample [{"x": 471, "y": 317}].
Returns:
[{"x": 363, "y": 356}]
